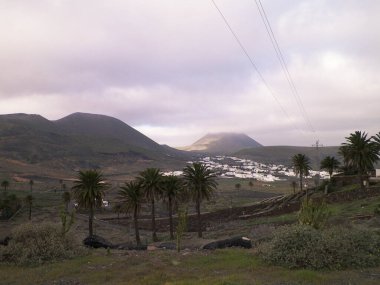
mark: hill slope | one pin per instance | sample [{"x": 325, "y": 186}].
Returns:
[
  {"x": 223, "y": 143},
  {"x": 77, "y": 141},
  {"x": 283, "y": 154},
  {"x": 101, "y": 126}
]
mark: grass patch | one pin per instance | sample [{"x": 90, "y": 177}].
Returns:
[
  {"x": 357, "y": 207},
  {"x": 229, "y": 266}
]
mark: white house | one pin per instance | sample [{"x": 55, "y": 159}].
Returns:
[{"x": 377, "y": 172}]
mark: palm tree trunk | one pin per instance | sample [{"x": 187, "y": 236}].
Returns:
[
  {"x": 135, "y": 220},
  {"x": 30, "y": 211},
  {"x": 301, "y": 182},
  {"x": 171, "y": 218},
  {"x": 67, "y": 207},
  {"x": 90, "y": 221},
  {"x": 154, "y": 234},
  {"x": 361, "y": 180},
  {"x": 198, "y": 206}
]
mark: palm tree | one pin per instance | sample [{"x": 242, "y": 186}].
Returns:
[
  {"x": 132, "y": 196},
  {"x": 172, "y": 191},
  {"x": 150, "y": 180},
  {"x": 330, "y": 163},
  {"x": 5, "y": 184},
  {"x": 301, "y": 165},
  {"x": 117, "y": 208},
  {"x": 31, "y": 182},
  {"x": 88, "y": 191},
  {"x": 294, "y": 185},
  {"x": 200, "y": 181},
  {"x": 29, "y": 202},
  {"x": 376, "y": 140},
  {"x": 250, "y": 184},
  {"x": 66, "y": 198},
  {"x": 361, "y": 153},
  {"x": 61, "y": 183},
  {"x": 344, "y": 153},
  {"x": 237, "y": 186}
]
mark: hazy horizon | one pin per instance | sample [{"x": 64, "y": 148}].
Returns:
[{"x": 172, "y": 69}]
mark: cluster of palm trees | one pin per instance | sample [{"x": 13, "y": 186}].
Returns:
[
  {"x": 359, "y": 154},
  {"x": 151, "y": 186}
]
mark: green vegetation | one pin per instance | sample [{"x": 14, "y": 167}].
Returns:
[
  {"x": 38, "y": 243},
  {"x": 9, "y": 204},
  {"x": 150, "y": 180},
  {"x": 5, "y": 185},
  {"x": 66, "y": 198},
  {"x": 29, "y": 203},
  {"x": 172, "y": 192},
  {"x": 301, "y": 165},
  {"x": 201, "y": 183},
  {"x": 330, "y": 163},
  {"x": 31, "y": 183},
  {"x": 294, "y": 186},
  {"x": 306, "y": 247},
  {"x": 360, "y": 153},
  {"x": 89, "y": 192},
  {"x": 303, "y": 246},
  {"x": 181, "y": 226},
  {"x": 221, "y": 267},
  {"x": 314, "y": 214},
  {"x": 376, "y": 211},
  {"x": 131, "y": 196}
]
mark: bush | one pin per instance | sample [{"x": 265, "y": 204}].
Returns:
[
  {"x": 303, "y": 246},
  {"x": 314, "y": 214},
  {"x": 9, "y": 204},
  {"x": 37, "y": 244},
  {"x": 376, "y": 211}
]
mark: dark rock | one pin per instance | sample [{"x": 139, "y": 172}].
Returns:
[
  {"x": 235, "y": 241},
  {"x": 167, "y": 245},
  {"x": 97, "y": 242},
  {"x": 5, "y": 241}
]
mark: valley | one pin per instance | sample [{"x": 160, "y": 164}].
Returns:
[{"x": 255, "y": 194}]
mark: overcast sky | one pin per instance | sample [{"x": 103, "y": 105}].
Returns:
[{"x": 173, "y": 70}]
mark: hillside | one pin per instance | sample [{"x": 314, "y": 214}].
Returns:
[
  {"x": 222, "y": 143},
  {"x": 77, "y": 141},
  {"x": 101, "y": 126},
  {"x": 283, "y": 154}
]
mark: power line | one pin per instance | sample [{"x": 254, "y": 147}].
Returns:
[
  {"x": 251, "y": 60},
  {"x": 280, "y": 57}
]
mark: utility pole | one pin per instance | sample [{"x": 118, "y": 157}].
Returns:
[{"x": 317, "y": 146}]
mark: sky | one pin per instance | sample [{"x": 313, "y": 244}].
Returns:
[{"x": 173, "y": 70}]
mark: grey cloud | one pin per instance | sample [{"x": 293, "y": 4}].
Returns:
[{"x": 169, "y": 66}]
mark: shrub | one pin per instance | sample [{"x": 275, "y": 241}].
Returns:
[
  {"x": 303, "y": 246},
  {"x": 37, "y": 244},
  {"x": 9, "y": 204},
  {"x": 376, "y": 211},
  {"x": 313, "y": 213}
]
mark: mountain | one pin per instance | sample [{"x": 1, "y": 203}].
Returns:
[
  {"x": 92, "y": 125},
  {"x": 283, "y": 154},
  {"x": 223, "y": 143},
  {"x": 79, "y": 141}
]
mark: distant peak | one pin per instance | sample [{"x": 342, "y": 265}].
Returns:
[
  {"x": 80, "y": 115},
  {"x": 223, "y": 142},
  {"x": 225, "y": 134}
]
